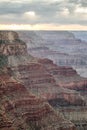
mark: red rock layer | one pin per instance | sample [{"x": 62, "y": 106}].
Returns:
[
  {"x": 40, "y": 79},
  {"x": 57, "y": 70},
  {"x": 66, "y": 77},
  {"x": 19, "y": 109}
]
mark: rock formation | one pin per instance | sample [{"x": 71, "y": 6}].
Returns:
[
  {"x": 27, "y": 83},
  {"x": 19, "y": 109},
  {"x": 43, "y": 77},
  {"x": 21, "y": 106},
  {"x": 62, "y": 47},
  {"x": 10, "y": 44}
]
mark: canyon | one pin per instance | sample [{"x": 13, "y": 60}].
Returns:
[
  {"x": 33, "y": 89},
  {"x": 63, "y": 47},
  {"x": 21, "y": 110}
]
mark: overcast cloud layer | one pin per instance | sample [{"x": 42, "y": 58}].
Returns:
[{"x": 62, "y": 12}]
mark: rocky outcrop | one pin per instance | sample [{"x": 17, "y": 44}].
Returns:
[
  {"x": 8, "y": 36},
  {"x": 20, "y": 109},
  {"x": 10, "y": 44},
  {"x": 13, "y": 49}
]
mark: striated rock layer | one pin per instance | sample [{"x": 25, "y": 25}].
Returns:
[
  {"x": 60, "y": 46},
  {"x": 19, "y": 108},
  {"x": 44, "y": 79}
]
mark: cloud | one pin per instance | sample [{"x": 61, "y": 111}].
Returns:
[
  {"x": 31, "y": 15},
  {"x": 81, "y": 10},
  {"x": 36, "y": 12}
]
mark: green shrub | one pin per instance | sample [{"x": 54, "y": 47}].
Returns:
[
  {"x": 3, "y": 41},
  {"x": 3, "y": 61}
]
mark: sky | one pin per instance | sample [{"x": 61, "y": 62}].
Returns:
[{"x": 43, "y": 14}]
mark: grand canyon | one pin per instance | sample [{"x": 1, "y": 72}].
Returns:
[{"x": 39, "y": 92}]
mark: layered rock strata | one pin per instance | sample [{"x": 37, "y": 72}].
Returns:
[
  {"x": 78, "y": 115},
  {"x": 47, "y": 81},
  {"x": 42, "y": 77},
  {"x": 20, "y": 109}
]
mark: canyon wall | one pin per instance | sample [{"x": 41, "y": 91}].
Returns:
[
  {"x": 60, "y": 46},
  {"x": 19, "y": 109},
  {"x": 28, "y": 83},
  {"x": 25, "y": 87}
]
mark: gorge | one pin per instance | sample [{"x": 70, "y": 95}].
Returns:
[{"x": 37, "y": 94}]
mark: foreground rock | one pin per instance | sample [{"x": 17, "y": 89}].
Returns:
[{"x": 19, "y": 109}]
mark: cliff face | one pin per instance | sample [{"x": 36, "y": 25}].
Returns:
[
  {"x": 22, "y": 76},
  {"x": 13, "y": 49},
  {"x": 45, "y": 84},
  {"x": 19, "y": 109},
  {"x": 62, "y": 47},
  {"x": 67, "y": 79},
  {"x": 27, "y": 83},
  {"x": 45, "y": 78}
]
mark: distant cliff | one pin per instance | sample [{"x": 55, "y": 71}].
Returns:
[{"x": 62, "y": 47}]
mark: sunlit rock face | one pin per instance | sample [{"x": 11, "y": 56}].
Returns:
[
  {"x": 8, "y": 36},
  {"x": 10, "y": 44}
]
